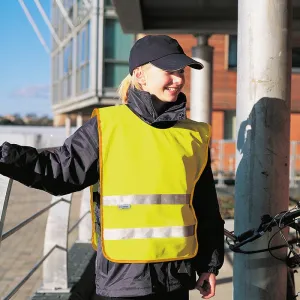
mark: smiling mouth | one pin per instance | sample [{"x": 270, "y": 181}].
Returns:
[{"x": 171, "y": 89}]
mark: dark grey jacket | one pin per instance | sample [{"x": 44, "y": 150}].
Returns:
[{"x": 74, "y": 166}]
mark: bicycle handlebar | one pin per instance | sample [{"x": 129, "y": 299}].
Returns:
[{"x": 284, "y": 218}]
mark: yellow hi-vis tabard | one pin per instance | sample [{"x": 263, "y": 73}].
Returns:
[{"x": 147, "y": 180}]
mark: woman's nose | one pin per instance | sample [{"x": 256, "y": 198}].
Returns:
[{"x": 178, "y": 78}]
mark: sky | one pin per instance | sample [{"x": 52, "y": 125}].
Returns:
[{"x": 24, "y": 63}]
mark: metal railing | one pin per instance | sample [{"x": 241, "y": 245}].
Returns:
[{"x": 55, "y": 252}]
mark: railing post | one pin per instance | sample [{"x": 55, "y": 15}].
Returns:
[
  {"x": 85, "y": 226},
  {"x": 55, "y": 275},
  {"x": 5, "y": 188}
]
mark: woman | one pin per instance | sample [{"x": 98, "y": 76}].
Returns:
[{"x": 156, "y": 216}]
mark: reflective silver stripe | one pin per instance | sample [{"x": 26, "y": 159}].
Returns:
[
  {"x": 154, "y": 232},
  {"x": 146, "y": 199}
]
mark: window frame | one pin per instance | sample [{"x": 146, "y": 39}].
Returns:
[
  {"x": 113, "y": 61},
  {"x": 233, "y": 67},
  {"x": 83, "y": 59}
]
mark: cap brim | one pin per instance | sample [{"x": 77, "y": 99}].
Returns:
[{"x": 174, "y": 62}]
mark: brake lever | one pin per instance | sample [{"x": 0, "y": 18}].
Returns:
[
  {"x": 236, "y": 247},
  {"x": 293, "y": 262}
]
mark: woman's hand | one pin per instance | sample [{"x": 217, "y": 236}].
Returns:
[{"x": 206, "y": 284}]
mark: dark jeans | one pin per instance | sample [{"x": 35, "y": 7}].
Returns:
[{"x": 176, "y": 295}]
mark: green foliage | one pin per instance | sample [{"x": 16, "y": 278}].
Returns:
[
  {"x": 29, "y": 119},
  {"x": 226, "y": 203}
]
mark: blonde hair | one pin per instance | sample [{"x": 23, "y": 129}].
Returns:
[{"x": 130, "y": 81}]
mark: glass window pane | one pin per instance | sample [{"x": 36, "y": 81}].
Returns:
[
  {"x": 88, "y": 40},
  {"x": 116, "y": 44},
  {"x": 68, "y": 58},
  {"x": 82, "y": 46},
  {"x": 69, "y": 83},
  {"x": 114, "y": 73},
  {"x": 87, "y": 76},
  {"x": 65, "y": 88},
  {"x": 82, "y": 79},
  {"x": 232, "y": 52},
  {"x": 78, "y": 74},
  {"x": 78, "y": 49},
  {"x": 230, "y": 125},
  {"x": 296, "y": 58}
]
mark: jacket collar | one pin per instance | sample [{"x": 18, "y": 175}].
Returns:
[{"x": 152, "y": 110}]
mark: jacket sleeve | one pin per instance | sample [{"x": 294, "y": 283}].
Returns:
[
  {"x": 210, "y": 230},
  {"x": 58, "y": 171}
]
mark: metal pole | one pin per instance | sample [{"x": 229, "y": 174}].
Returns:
[
  {"x": 262, "y": 157},
  {"x": 201, "y": 82},
  {"x": 64, "y": 13},
  {"x": 48, "y": 23},
  {"x": 34, "y": 26}
]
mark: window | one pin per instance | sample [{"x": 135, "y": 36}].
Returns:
[
  {"x": 232, "y": 55},
  {"x": 229, "y": 125},
  {"x": 116, "y": 53},
  {"x": 67, "y": 70},
  {"x": 64, "y": 28},
  {"x": 55, "y": 78},
  {"x": 108, "y": 3},
  {"x": 232, "y": 52},
  {"x": 83, "y": 60},
  {"x": 296, "y": 59}
]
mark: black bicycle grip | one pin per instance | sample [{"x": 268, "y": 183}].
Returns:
[
  {"x": 245, "y": 235},
  {"x": 293, "y": 261}
]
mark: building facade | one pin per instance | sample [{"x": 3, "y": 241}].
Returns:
[{"x": 92, "y": 59}]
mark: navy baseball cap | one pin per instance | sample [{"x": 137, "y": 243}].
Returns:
[{"x": 161, "y": 51}]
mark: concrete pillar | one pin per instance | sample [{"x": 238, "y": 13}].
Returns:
[
  {"x": 201, "y": 82},
  {"x": 262, "y": 157},
  {"x": 68, "y": 125},
  {"x": 79, "y": 121}
]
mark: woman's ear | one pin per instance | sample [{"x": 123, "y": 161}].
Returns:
[{"x": 140, "y": 76}]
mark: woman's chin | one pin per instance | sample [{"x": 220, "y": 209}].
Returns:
[{"x": 170, "y": 98}]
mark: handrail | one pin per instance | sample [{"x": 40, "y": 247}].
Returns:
[
  {"x": 5, "y": 189},
  {"x": 31, "y": 218},
  {"x": 56, "y": 237},
  {"x": 30, "y": 273},
  {"x": 78, "y": 222}
]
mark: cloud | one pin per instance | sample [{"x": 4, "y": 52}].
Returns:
[{"x": 33, "y": 92}]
